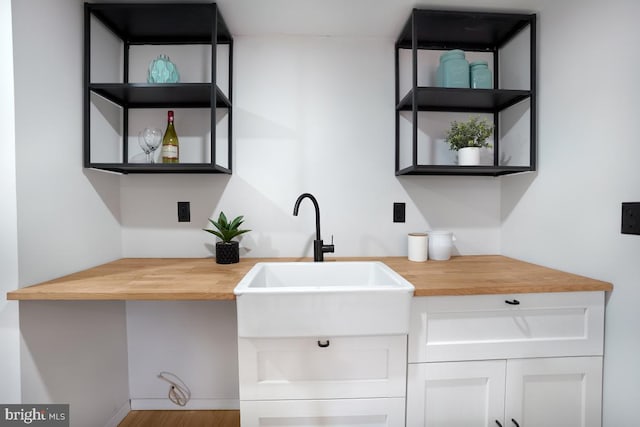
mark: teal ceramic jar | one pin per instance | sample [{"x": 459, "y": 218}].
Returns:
[
  {"x": 481, "y": 77},
  {"x": 162, "y": 70},
  {"x": 453, "y": 70}
]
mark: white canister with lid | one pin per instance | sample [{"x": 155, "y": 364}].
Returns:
[
  {"x": 417, "y": 247},
  {"x": 440, "y": 244}
]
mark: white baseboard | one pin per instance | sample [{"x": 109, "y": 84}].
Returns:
[
  {"x": 193, "y": 404},
  {"x": 119, "y": 416}
]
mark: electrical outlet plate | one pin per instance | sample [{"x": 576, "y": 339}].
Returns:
[
  {"x": 184, "y": 212},
  {"x": 630, "y": 218}
]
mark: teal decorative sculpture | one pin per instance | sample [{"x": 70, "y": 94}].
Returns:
[{"x": 162, "y": 70}]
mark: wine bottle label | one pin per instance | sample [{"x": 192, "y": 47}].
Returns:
[{"x": 170, "y": 151}]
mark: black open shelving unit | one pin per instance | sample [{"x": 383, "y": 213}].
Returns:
[
  {"x": 159, "y": 24},
  {"x": 469, "y": 31}
]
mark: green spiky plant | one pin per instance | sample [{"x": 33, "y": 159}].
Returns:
[
  {"x": 472, "y": 133},
  {"x": 226, "y": 230}
]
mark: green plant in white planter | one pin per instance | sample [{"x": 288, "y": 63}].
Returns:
[
  {"x": 228, "y": 250},
  {"x": 467, "y": 138}
]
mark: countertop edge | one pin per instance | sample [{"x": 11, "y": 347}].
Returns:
[
  {"x": 101, "y": 296},
  {"x": 507, "y": 290},
  {"x": 125, "y": 277}
]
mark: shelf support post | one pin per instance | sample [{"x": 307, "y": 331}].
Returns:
[
  {"x": 125, "y": 109},
  {"x": 414, "y": 92},
  {"x": 86, "y": 128},
  {"x": 230, "y": 110},
  {"x": 496, "y": 113},
  {"x": 397, "y": 145},
  {"x": 533, "y": 141},
  {"x": 214, "y": 83}
]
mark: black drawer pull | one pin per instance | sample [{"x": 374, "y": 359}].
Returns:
[
  {"x": 324, "y": 344},
  {"x": 499, "y": 424},
  {"x": 515, "y": 422},
  {"x": 513, "y": 302}
]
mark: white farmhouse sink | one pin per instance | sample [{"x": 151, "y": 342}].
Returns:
[{"x": 322, "y": 299}]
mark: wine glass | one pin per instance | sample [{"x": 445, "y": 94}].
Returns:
[{"x": 149, "y": 140}]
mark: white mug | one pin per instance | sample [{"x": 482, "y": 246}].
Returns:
[
  {"x": 418, "y": 247},
  {"x": 440, "y": 245}
]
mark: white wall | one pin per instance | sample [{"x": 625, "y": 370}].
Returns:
[
  {"x": 9, "y": 331},
  {"x": 316, "y": 114},
  {"x": 567, "y": 215},
  {"x": 311, "y": 114},
  {"x": 195, "y": 340},
  {"x": 68, "y": 218},
  {"x": 75, "y": 352}
]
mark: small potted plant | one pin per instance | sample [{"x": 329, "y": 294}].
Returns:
[
  {"x": 467, "y": 138},
  {"x": 227, "y": 251}
]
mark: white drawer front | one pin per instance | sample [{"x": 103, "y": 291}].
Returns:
[
  {"x": 299, "y": 368},
  {"x": 487, "y": 327},
  {"x": 326, "y": 413}
]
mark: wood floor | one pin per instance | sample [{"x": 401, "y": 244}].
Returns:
[{"x": 181, "y": 419}]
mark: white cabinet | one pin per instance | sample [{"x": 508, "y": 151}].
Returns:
[
  {"x": 324, "y": 381},
  {"x": 543, "y": 392},
  {"x": 529, "y": 360}
]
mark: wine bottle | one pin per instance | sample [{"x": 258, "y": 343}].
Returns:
[{"x": 170, "y": 147}]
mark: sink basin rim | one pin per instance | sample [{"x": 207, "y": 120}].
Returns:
[
  {"x": 397, "y": 283},
  {"x": 378, "y": 301}
]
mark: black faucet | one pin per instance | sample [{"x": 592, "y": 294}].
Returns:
[{"x": 318, "y": 247}]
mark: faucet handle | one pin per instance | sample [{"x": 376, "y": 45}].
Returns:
[{"x": 328, "y": 248}]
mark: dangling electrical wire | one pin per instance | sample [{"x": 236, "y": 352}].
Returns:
[{"x": 179, "y": 393}]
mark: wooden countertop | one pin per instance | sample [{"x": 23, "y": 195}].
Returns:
[{"x": 203, "y": 279}]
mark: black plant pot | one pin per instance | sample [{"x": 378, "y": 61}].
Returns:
[{"x": 227, "y": 253}]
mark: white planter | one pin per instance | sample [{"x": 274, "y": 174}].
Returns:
[{"x": 469, "y": 156}]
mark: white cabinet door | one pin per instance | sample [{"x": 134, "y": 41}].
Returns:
[
  {"x": 323, "y": 413},
  {"x": 545, "y": 392},
  {"x": 456, "y": 394},
  {"x": 554, "y": 392},
  {"x": 322, "y": 368}
]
